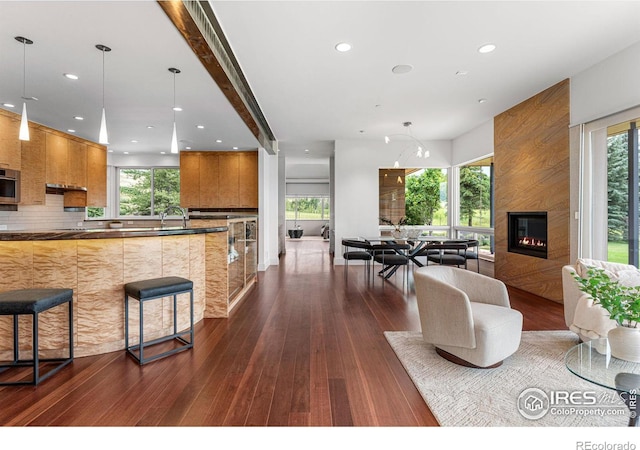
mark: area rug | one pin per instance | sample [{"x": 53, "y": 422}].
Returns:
[{"x": 461, "y": 396}]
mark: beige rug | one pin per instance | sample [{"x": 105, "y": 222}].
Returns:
[{"x": 461, "y": 396}]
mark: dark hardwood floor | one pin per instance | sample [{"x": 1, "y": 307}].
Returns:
[{"x": 306, "y": 348}]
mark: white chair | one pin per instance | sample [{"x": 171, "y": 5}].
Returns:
[{"x": 467, "y": 316}]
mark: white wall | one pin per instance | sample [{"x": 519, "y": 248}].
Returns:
[
  {"x": 606, "y": 88},
  {"x": 267, "y": 210},
  {"x": 356, "y": 183},
  {"x": 143, "y": 160},
  {"x": 473, "y": 145}
]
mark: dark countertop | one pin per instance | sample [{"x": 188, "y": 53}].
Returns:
[
  {"x": 223, "y": 215},
  {"x": 109, "y": 233}
]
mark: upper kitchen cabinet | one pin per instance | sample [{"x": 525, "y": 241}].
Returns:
[
  {"x": 77, "y": 163},
  {"x": 33, "y": 173},
  {"x": 224, "y": 180},
  {"x": 228, "y": 179},
  {"x": 248, "y": 179},
  {"x": 96, "y": 170},
  {"x": 57, "y": 159},
  {"x": 190, "y": 179},
  {"x": 9, "y": 143}
]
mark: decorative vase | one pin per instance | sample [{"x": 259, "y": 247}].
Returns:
[
  {"x": 625, "y": 343},
  {"x": 397, "y": 233}
]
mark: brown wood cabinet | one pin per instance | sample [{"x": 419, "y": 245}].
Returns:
[
  {"x": 32, "y": 177},
  {"x": 190, "y": 179},
  {"x": 228, "y": 179},
  {"x": 96, "y": 169},
  {"x": 57, "y": 159},
  {"x": 77, "y": 163},
  {"x": 219, "y": 179},
  {"x": 209, "y": 175},
  {"x": 248, "y": 179},
  {"x": 9, "y": 142}
]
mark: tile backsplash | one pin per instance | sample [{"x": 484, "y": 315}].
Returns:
[{"x": 49, "y": 216}]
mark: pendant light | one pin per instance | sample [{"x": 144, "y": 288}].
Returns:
[
  {"x": 420, "y": 153},
  {"x": 24, "y": 121},
  {"x": 103, "y": 137},
  {"x": 174, "y": 136}
]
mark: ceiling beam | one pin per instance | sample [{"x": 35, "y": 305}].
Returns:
[{"x": 199, "y": 27}]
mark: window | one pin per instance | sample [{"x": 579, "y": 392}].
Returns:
[
  {"x": 147, "y": 191},
  {"x": 622, "y": 193},
  {"x": 475, "y": 195},
  {"x": 419, "y": 195},
  {"x": 307, "y": 208}
]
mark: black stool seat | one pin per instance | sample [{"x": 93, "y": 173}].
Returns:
[
  {"x": 151, "y": 289},
  {"x": 30, "y": 301},
  {"x": 356, "y": 255},
  {"x": 33, "y": 302},
  {"x": 157, "y": 287}
]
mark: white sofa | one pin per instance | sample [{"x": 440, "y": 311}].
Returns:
[
  {"x": 587, "y": 320},
  {"x": 467, "y": 316}
]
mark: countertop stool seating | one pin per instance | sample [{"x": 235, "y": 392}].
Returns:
[
  {"x": 33, "y": 302},
  {"x": 147, "y": 290}
]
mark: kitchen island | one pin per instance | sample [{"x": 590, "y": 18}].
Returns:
[{"x": 96, "y": 264}]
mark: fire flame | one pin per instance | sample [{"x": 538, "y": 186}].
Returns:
[{"x": 532, "y": 242}]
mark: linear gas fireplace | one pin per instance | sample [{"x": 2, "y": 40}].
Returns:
[{"x": 528, "y": 233}]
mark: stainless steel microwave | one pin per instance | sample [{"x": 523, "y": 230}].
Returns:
[{"x": 9, "y": 186}]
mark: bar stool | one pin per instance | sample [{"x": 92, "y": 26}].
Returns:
[
  {"x": 33, "y": 302},
  {"x": 146, "y": 290}
]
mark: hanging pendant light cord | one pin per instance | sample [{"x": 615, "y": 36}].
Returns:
[
  {"x": 24, "y": 69},
  {"x": 174, "y": 97},
  {"x": 103, "y": 79}
]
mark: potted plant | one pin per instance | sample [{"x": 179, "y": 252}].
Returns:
[
  {"x": 623, "y": 305},
  {"x": 398, "y": 228}
]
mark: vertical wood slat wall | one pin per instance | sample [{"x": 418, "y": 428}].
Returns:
[{"x": 532, "y": 170}]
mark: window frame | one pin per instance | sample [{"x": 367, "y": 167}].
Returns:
[{"x": 152, "y": 190}]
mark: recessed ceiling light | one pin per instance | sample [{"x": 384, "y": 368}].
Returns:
[
  {"x": 402, "y": 68},
  {"x": 177, "y": 108},
  {"x": 235, "y": 148},
  {"x": 149, "y": 127},
  {"x": 134, "y": 141},
  {"x": 487, "y": 48},
  {"x": 110, "y": 151},
  {"x": 343, "y": 47},
  {"x": 187, "y": 148},
  {"x": 78, "y": 117},
  {"x": 218, "y": 141},
  {"x": 482, "y": 100},
  {"x": 306, "y": 150},
  {"x": 71, "y": 76},
  {"x": 126, "y": 153},
  {"x": 9, "y": 105},
  {"x": 200, "y": 127},
  {"x": 163, "y": 153},
  {"x": 71, "y": 131}
]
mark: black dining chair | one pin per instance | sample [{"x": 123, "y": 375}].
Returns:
[
  {"x": 357, "y": 250},
  {"x": 473, "y": 254},
  {"x": 392, "y": 255},
  {"x": 449, "y": 254}
]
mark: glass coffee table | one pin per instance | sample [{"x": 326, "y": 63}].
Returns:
[{"x": 592, "y": 361}]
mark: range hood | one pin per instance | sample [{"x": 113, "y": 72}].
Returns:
[{"x": 62, "y": 188}]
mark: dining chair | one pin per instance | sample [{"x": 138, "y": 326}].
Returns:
[
  {"x": 473, "y": 254},
  {"x": 363, "y": 252},
  {"x": 449, "y": 254},
  {"x": 392, "y": 255}
]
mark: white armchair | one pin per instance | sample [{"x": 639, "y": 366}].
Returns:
[
  {"x": 467, "y": 316},
  {"x": 587, "y": 320}
]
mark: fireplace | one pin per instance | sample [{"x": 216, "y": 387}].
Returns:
[{"x": 528, "y": 233}]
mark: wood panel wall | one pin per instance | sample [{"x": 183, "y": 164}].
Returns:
[{"x": 532, "y": 174}]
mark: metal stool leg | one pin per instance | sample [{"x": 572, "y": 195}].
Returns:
[{"x": 36, "y": 358}]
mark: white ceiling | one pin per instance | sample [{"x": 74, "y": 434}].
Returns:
[{"x": 310, "y": 94}]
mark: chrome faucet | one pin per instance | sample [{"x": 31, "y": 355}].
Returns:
[{"x": 172, "y": 208}]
